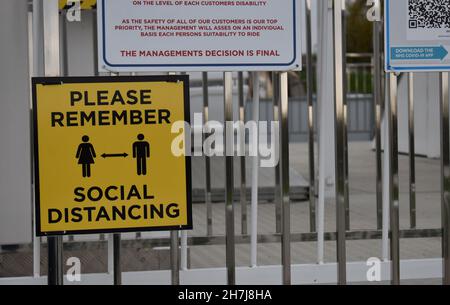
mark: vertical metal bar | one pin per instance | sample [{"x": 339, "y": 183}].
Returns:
[
  {"x": 96, "y": 72},
  {"x": 345, "y": 89},
  {"x": 309, "y": 96},
  {"x": 65, "y": 46},
  {"x": 412, "y": 153},
  {"x": 174, "y": 249},
  {"x": 174, "y": 261},
  {"x": 349, "y": 79},
  {"x": 55, "y": 268},
  {"x": 138, "y": 234},
  {"x": 52, "y": 68},
  {"x": 385, "y": 173},
  {"x": 255, "y": 172},
  {"x": 323, "y": 9},
  {"x": 377, "y": 94},
  {"x": 393, "y": 183},
  {"x": 116, "y": 240},
  {"x": 346, "y": 166},
  {"x": 65, "y": 57},
  {"x": 284, "y": 174},
  {"x": 209, "y": 228},
  {"x": 182, "y": 238},
  {"x": 180, "y": 251},
  {"x": 358, "y": 83},
  {"x": 51, "y": 38},
  {"x": 95, "y": 41},
  {"x": 364, "y": 84},
  {"x": 386, "y": 179},
  {"x": 277, "y": 190},
  {"x": 340, "y": 139},
  {"x": 117, "y": 266},
  {"x": 35, "y": 60},
  {"x": 365, "y": 70},
  {"x": 243, "y": 195},
  {"x": 445, "y": 175},
  {"x": 111, "y": 254},
  {"x": 184, "y": 250},
  {"x": 386, "y": 163},
  {"x": 229, "y": 186}
]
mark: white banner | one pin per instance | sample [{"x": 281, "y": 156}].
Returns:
[{"x": 232, "y": 35}]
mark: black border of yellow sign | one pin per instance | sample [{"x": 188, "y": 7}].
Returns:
[{"x": 114, "y": 79}]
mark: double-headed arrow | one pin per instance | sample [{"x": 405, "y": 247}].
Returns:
[
  {"x": 418, "y": 53},
  {"x": 124, "y": 155}
]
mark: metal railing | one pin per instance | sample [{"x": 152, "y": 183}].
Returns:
[
  {"x": 360, "y": 121},
  {"x": 360, "y": 117}
]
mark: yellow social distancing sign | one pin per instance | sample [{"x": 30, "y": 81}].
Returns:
[{"x": 103, "y": 154}]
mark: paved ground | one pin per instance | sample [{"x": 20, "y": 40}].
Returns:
[{"x": 138, "y": 256}]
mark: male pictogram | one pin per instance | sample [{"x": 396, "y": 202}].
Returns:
[
  {"x": 85, "y": 155},
  {"x": 141, "y": 151}
]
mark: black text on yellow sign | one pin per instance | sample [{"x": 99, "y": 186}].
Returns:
[{"x": 103, "y": 154}]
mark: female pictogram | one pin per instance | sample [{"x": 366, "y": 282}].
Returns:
[{"x": 85, "y": 156}]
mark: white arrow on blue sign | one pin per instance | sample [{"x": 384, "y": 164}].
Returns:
[{"x": 419, "y": 53}]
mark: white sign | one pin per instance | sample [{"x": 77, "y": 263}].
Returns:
[
  {"x": 199, "y": 35},
  {"x": 417, "y": 35}
]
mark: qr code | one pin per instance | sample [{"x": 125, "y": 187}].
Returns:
[{"x": 429, "y": 14}]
